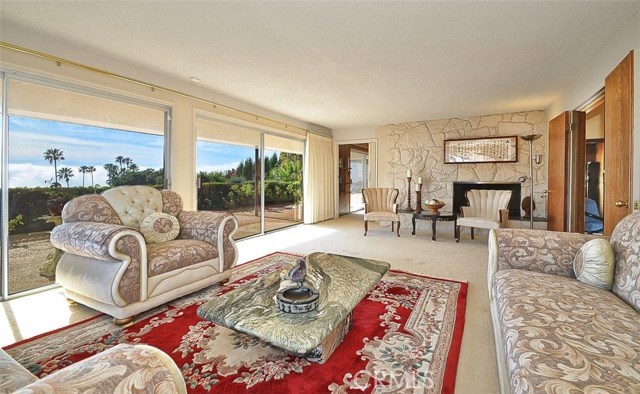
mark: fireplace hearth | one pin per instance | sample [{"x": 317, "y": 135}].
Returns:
[{"x": 460, "y": 188}]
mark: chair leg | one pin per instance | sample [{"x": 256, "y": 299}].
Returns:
[
  {"x": 392, "y": 223},
  {"x": 365, "y": 228},
  {"x": 398, "y": 228},
  {"x": 127, "y": 321},
  {"x": 472, "y": 233},
  {"x": 456, "y": 234}
]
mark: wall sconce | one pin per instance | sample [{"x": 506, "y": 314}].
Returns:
[{"x": 537, "y": 159}]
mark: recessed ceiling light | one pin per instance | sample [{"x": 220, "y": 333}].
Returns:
[{"x": 194, "y": 79}]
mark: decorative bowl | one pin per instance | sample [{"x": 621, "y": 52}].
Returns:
[
  {"x": 433, "y": 206},
  {"x": 298, "y": 299}
]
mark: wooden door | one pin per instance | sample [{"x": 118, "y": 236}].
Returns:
[
  {"x": 566, "y": 183},
  {"x": 618, "y": 125}
]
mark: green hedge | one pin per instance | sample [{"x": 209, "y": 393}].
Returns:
[
  {"x": 33, "y": 203},
  {"x": 219, "y": 196}
]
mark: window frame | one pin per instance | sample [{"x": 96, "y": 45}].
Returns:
[{"x": 8, "y": 74}]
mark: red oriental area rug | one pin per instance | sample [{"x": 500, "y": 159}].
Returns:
[{"x": 405, "y": 337}]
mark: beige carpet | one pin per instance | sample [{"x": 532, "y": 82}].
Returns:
[{"x": 467, "y": 260}]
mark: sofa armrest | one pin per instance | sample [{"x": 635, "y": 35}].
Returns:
[
  {"x": 212, "y": 227},
  {"x": 89, "y": 239},
  {"x": 110, "y": 243},
  {"x": 123, "y": 368},
  {"x": 13, "y": 375}
]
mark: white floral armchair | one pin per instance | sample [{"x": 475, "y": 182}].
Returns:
[
  {"x": 122, "y": 369},
  {"x": 133, "y": 248},
  {"x": 380, "y": 206},
  {"x": 487, "y": 209}
]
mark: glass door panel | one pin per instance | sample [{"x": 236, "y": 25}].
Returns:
[
  {"x": 59, "y": 149},
  {"x": 283, "y": 182},
  {"x": 359, "y": 178},
  {"x": 228, "y": 167}
]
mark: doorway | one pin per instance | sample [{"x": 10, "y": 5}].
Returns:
[
  {"x": 353, "y": 175},
  {"x": 594, "y": 169}
]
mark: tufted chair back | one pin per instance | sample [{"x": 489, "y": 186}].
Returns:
[
  {"x": 380, "y": 200},
  {"x": 625, "y": 241},
  {"x": 127, "y": 205},
  {"x": 487, "y": 203},
  {"x": 133, "y": 203}
]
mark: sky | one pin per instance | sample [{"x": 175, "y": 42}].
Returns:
[{"x": 86, "y": 145}]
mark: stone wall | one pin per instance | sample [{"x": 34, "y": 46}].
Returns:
[{"x": 419, "y": 146}]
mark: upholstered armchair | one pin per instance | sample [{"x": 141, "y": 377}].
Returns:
[
  {"x": 133, "y": 248},
  {"x": 380, "y": 205},
  {"x": 123, "y": 368},
  {"x": 487, "y": 209}
]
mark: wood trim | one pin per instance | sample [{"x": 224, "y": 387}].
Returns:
[
  {"x": 557, "y": 202},
  {"x": 618, "y": 86}
]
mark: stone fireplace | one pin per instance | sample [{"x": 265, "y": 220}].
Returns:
[{"x": 460, "y": 187}]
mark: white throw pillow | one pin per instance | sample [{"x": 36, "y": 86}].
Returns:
[
  {"x": 159, "y": 227},
  {"x": 594, "y": 263}
]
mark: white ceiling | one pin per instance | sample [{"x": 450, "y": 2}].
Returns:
[{"x": 347, "y": 64}]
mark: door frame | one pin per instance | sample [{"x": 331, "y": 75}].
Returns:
[{"x": 373, "y": 165}]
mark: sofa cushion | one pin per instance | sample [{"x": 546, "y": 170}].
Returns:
[
  {"x": 380, "y": 215},
  {"x": 563, "y": 336},
  {"x": 133, "y": 203},
  {"x": 159, "y": 227},
  {"x": 594, "y": 263},
  {"x": 626, "y": 246},
  {"x": 167, "y": 256}
]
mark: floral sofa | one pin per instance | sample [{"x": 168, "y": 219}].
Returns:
[
  {"x": 133, "y": 248},
  {"x": 554, "y": 333},
  {"x": 122, "y": 369}
]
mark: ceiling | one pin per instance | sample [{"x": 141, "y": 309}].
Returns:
[{"x": 348, "y": 64}]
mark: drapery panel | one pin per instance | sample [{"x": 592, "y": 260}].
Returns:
[{"x": 319, "y": 180}]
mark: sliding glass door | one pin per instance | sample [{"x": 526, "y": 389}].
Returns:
[
  {"x": 64, "y": 141},
  {"x": 253, "y": 174}
]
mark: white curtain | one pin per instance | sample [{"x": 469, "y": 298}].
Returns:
[{"x": 319, "y": 180}]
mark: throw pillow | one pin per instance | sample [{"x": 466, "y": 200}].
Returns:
[
  {"x": 159, "y": 227},
  {"x": 594, "y": 263}
]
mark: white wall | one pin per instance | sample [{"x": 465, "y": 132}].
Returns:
[
  {"x": 589, "y": 79},
  {"x": 182, "y": 160}
]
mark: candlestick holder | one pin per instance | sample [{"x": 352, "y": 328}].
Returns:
[
  {"x": 408, "y": 193},
  {"x": 418, "y": 198}
]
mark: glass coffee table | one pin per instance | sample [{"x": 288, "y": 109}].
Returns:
[
  {"x": 436, "y": 217},
  {"x": 342, "y": 282}
]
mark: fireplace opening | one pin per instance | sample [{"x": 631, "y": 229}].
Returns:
[{"x": 460, "y": 188}]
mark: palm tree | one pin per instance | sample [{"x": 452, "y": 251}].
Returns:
[
  {"x": 127, "y": 162},
  {"x": 112, "y": 172},
  {"x": 65, "y": 173},
  {"x": 91, "y": 169},
  {"x": 133, "y": 167},
  {"x": 83, "y": 170},
  {"x": 120, "y": 161},
  {"x": 52, "y": 156}
]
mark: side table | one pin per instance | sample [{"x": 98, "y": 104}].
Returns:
[{"x": 436, "y": 217}]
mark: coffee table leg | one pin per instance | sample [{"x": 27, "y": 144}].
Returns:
[{"x": 413, "y": 223}]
